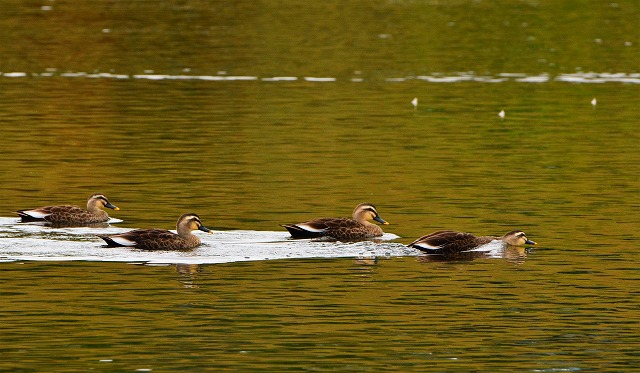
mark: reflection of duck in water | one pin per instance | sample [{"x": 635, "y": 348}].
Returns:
[
  {"x": 454, "y": 243},
  {"x": 511, "y": 254},
  {"x": 514, "y": 254},
  {"x": 71, "y": 215},
  {"x": 160, "y": 239},
  {"x": 359, "y": 227},
  {"x": 188, "y": 274}
]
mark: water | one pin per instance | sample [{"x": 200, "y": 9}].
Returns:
[{"x": 253, "y": 115}]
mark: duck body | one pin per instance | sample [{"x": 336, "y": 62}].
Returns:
[
  {"x": 451, "y": 242},
  {"x": 69, "y": 214},
  {"x": 341, "y": 228},
  {"x": 160, "y": 239}
]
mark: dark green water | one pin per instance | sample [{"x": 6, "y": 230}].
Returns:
[{"x": 186, "y": 116}]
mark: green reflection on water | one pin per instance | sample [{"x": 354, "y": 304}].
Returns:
[
  {"x": 252, "y": 154},
  {"x": 287, "y": 37}
]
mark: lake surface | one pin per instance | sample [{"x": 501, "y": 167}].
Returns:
[{"x": 256, "y": 114}]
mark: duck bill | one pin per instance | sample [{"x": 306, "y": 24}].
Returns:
[
  {"x": 204, "y": 229},
  {"x": 109, "y": 205},
  {"x": 529, "y": 242},
  {"x": 380, "y": 220}
]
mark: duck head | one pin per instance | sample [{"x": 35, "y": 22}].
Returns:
[
  {"x": 98, "y": 200},
  {"x": 365, "y": 212},
  {"x": 191, "y": 222},
  {"x": 517, "y": 238}
]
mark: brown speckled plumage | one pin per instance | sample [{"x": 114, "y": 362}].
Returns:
[
  {"x": 160, "y": 239},
  {"x": 341, "y": 228},
  {"x": 70, "y": 215},
  {"x": 451, "y": 242}
]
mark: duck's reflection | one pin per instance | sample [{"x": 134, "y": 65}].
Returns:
[
  {"x": 189, "y": 274},
  {"x": 512, "y": 254},
  {"x": 366, "y": 261}
]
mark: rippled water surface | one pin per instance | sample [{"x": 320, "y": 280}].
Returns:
[{"x": 256, "y": 114}]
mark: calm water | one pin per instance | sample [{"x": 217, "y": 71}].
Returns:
[{"x": 255, "y": 114}]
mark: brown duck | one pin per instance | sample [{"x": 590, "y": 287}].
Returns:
[
  {"x": 71, "y": 215},
  {"x": 451, "y": 242},
  {"x": 160, "y": 239},
  {"x": 341, "y": 228}
]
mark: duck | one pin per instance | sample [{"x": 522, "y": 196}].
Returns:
[
  {"x": 357, "y": 228},
  {"x": 71, "y": 215},
  {"x": 160, "y": 239},
  {"x": 452, "y": 242}
]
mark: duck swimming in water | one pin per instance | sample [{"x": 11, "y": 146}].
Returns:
[
  {"x": 71, "y": 215},
  {"x": 359, "y": 227},
  {"x": 451, "y": 242},
  {"x": 160, "y": 239}
]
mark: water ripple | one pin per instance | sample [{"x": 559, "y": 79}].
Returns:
[
  {"x": 579, "y": 77},
  {"x": 35, "y": 242}
]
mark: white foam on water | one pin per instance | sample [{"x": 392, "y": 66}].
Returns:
[
  {"x": 15, "y": 75},
  {"x": 36, "y": 242},
  {"x": 446, "y": 79},
  {"x": 599, "y": 78},
  {"x": 280, "y": 79},
  {"x": 534, "y": 79},
  {"x": 489, "y": 79},
  {"x": 108, "y": 76},
  {"x": 194, "y": 77},
  {"x": 578, "y": 77},
  {"x": 73, "y": 74},
  {"x": 315, "y": 79}
]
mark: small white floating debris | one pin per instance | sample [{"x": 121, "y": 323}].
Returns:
[
  {"x": 107, "y": 76},
  {"x": 106, "y": 30},
  {"x": 445, "y": 79},
  {"x": 314, "y": 79},
  {"x": 414, "y": 102},
  {"x": 15, "y": 75},
  {"x": 199, "y": 77},
  {"x": 46, "y": 7},
  {"x": 501, "y": 114},
  {"x": 581, "y": 78},
  {"x": 280, "y": 79},
  {"x": 489, "y": 79},
  {"x": 150, "y": 76},
  {"x": 73, "y": 75},
  {"x": 534, "y": 79},
  {"x": 594, "y": 102},
  {"x": 241, "y": 78}
]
